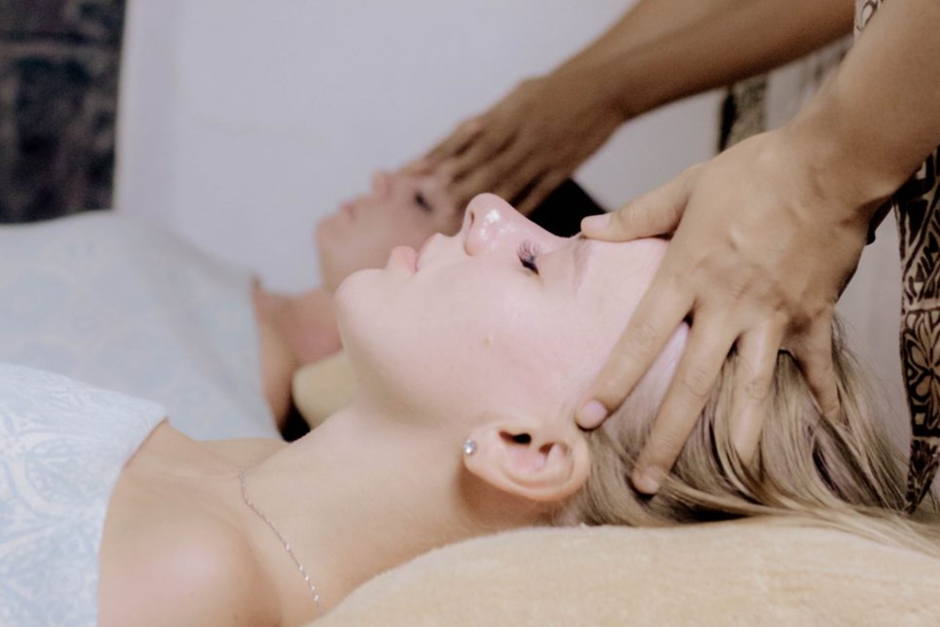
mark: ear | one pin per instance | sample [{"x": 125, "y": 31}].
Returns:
[{"x": 540, "y": 461}]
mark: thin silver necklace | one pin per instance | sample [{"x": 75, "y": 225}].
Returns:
[{"x": 280, "y": 536}]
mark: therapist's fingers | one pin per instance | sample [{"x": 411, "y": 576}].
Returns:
[
  {"x": 481, "y": 152},
  {"x": 505, "y": 175},
  {"x": 654, "y": 213},
  {"x": 753, "y": 378},
  {"x": 814, "y": 357},
  {"x": 656, "y": 318},
  {"x": 705, "y": 353},
  {"x": 518, "y": 179},
  {"x": 456, "y": 143}
]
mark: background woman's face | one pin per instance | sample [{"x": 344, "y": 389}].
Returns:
[
  {"x": 501, "y": 317},
  {"x": 401, "y": 210}
]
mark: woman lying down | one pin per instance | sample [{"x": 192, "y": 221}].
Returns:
[
  {"x": 462, "y": 425},
  {"x": 127, "y": 306}
]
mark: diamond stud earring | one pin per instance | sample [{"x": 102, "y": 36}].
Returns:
[{"x": 469, "y": 447}]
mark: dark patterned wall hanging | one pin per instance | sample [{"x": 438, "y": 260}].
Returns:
[{"x": 59, "y": 62}]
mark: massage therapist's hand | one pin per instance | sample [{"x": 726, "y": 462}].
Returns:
[
  {"x": 760, "y": 253},
  {"x": 530, "y": 142}
]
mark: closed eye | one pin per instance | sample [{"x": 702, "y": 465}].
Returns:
[
  {"x": 528, "y": 256},
  {"x": 423, "y": 203}
]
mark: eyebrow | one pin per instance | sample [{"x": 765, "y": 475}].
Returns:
[{"x": 582, "y": 252}]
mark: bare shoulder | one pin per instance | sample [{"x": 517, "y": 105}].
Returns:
[{"x": 181, "y": 572}]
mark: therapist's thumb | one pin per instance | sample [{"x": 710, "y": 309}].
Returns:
[{"x": 655, "y": 213}]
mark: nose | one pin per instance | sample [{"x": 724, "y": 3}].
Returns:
[
  {"x": 381, "y": 184},
  {"x": 488, "y": 222}
]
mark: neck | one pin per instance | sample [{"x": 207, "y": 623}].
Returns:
[
  {"x": 358, "y": 496},
  {"x": 306, "y": 323}
]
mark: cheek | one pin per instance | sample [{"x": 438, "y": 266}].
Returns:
[
  {"x": 471, "y": 339},
  {"x": 386, "y": 231},
  {"x": 347, "y": 250},
  {"x": 509, "y": 344},
  {"x": 411, "y": 231},
  {"x": 406, "y": 224},
  {"x": 328, "y": 229},
  {"x": 467, "y": 340}
]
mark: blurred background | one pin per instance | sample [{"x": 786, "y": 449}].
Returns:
[
  {"x": 238, "y": 123},
  {"x": 241, "y": 122},
  {"x": 59, "y": 68}
]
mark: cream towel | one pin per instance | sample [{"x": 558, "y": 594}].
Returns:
[
  {"x": 741, "y": 573},
  {"x": 322, "y": 388}
]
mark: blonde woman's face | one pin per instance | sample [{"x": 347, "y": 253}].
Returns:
[
  {"x": 502, "y": 317},
  {"x": 401, "y": 209}
]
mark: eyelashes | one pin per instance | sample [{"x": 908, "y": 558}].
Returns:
[
  {"x": 423, "y": 203},
  {"x": 528, "y": 253}
]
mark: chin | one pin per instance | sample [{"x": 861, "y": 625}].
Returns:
[
  {"x": 376, "y": 339},
  {"x": 358, "y": 302},
  {"x": 326, "y": 229},
  {"x": 327, "y": 271},
  {"x": 356, "y": 282},
  {"x": 335, "y": 263}
]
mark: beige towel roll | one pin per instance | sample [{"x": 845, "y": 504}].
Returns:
[{"x": 321, "y": 388}]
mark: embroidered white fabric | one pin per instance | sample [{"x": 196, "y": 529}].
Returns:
[{"x": 62, "y": 447}]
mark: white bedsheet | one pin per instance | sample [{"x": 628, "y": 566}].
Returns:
[{"x": 126, "y": 305}]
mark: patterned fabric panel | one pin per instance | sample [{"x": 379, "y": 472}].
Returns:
[
  {"x": 130, "y": 307},
  {"x": 916, "y": 209},
  {"x": 62, "y": 447}
]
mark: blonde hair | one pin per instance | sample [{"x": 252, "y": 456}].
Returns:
[{"x": 843, "y": 474}]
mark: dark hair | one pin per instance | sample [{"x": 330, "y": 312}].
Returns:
[{"x": 561, "y": 212}]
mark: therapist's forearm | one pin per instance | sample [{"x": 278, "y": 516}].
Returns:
[
  {"x": 874, "y": 122},
  {"x": 664, "y": 50}
]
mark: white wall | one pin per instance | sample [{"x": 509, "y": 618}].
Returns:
[{"x": 242, "y": 121}]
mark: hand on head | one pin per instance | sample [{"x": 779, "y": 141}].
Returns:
[
  {"x": 495, "y": 335},
  {"x": 530, "y": 142},
  {"x": 759, "y": 255}
]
